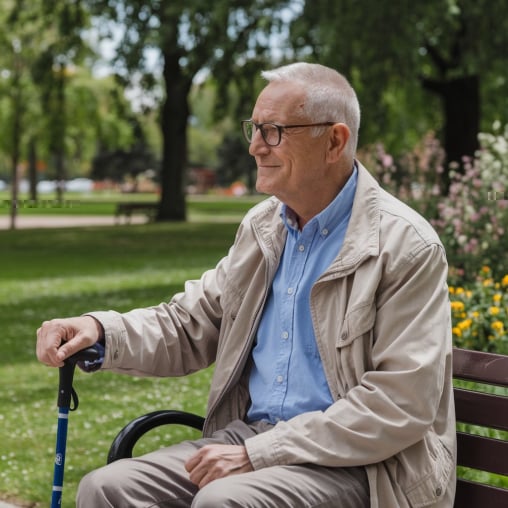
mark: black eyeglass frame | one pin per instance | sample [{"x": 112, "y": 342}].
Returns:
[{"x": 280, "y": 128}]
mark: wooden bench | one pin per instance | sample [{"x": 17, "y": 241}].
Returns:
[
  {"x": 489, "y": 411},
  {"x": 127, "y": 209},
  {"x": 480, "y": 452}
]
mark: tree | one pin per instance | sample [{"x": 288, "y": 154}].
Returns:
[
  {"x": 115, "y": 164},
  {"x": 53, "y": 110},
  {"x": 235, "y": 162},
  {"x": 17, "y": 41},
  {"x": 455, "y": 49},
  {"x": 63, "y": 48},
  {"x": 192, "y": 36}
]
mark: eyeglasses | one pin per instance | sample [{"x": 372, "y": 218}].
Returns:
[{"x": 272, "y": 132}]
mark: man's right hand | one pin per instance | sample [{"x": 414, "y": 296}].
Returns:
[{"x": 60, "y": 338}]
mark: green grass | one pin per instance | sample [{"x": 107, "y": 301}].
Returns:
[
  {"x": 199, "y": 207},
  {"x": 63, "y": 272},
  {"x": 50, "y": 273}
]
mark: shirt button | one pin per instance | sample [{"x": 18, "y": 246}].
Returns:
[
  {"x": 290, "y": 291},
  {"x": 324, "y": 232},
  {"x": 301, "y": 248},
  {"x": 285, "y": 335},
  {"x": 280, "y": 379}
]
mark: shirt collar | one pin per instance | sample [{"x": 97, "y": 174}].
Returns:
[{"x": 329, "y": 218}]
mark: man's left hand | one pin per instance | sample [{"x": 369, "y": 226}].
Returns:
[{"x": 217, "y": 461}]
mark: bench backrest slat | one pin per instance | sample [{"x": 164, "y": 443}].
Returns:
[
  {"x": 486, "y": 410},
  {"x": 482, "y": 452},
  {"x": 472, "y": 495},
  {"x": 483, "y": 409},
  {"x": 482, "y": 367}
]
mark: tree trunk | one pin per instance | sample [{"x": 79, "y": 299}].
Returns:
[
  {"x": 60, "y": 127},
  {"x": 175, "y": 114},
  {"x": 461, "y": 104},
  {"x": 15, "y": 176},
  {"x": 462, "y": 117},
  {"x": 32, "y": 168},
  {"x": 17, "y": 106}
]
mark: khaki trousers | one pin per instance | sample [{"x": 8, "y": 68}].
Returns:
[{"x": 159, "y": 479}]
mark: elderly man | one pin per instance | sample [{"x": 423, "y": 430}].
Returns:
[{"x": 329, "y": 325}]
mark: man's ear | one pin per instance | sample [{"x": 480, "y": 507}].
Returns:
[{"x": 339, "y": 136}]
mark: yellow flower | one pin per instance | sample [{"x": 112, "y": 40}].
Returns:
[
  {"x": 457, "y": 331},
  {"x": 485, "y": 269},
  {"x": 459, "y": 291},
  {"x": 497, "y": 297},
  {"x": 498, "y": 326},
  {"x": 494, "y": 311},
  {"x": 451, "y": 289},
  {"x": 487, "y": 282},
  {"x": 504, "y": 281},
  {"x": 464, "y": 325},
  {"x": 457, "y": 306},
  {"x": 475, "y": 314},
  {"x": 469, "y": 293}
]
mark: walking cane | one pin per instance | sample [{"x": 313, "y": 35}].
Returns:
[{"x": 65, "y": 394}]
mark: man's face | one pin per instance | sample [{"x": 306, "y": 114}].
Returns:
[{"x": 295, "y": 169}]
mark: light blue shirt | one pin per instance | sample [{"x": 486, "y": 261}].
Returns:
[{"x": 287, "y": 376}]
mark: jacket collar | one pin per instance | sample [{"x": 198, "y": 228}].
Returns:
[{"x": 362, "y": 236}]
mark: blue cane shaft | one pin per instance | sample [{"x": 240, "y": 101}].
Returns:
[{"x": 61, "y": 441}]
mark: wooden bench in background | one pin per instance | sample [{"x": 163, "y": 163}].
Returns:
[
  {"x": 480, "y": 452},
  {"x": 129, "y": 208}
]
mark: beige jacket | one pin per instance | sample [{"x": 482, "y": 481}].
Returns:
[{"x": 382, "y": 323}]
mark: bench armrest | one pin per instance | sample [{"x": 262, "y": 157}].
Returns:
[{"x": 124, "y": 442}]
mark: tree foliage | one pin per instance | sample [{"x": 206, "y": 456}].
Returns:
[
  {"x": 192, "y": 36},
  {"x": 54, "y": 112},
  {"x": 403, "y": 55},
  {"x": 416, "y": 66}
]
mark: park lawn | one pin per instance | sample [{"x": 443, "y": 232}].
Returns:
[
  {"x": 204, "y": 207},
  {"x": 50, "y": 273}
]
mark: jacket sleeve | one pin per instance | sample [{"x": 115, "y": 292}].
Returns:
[
  {"x": 170, "y": 339},
  {"x": 395, "y": 400}
]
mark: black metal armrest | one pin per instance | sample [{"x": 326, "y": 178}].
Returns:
[{"x": 124, "y": 442}]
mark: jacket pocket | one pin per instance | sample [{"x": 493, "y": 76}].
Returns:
[
  {"x": 358, "y": 321},
  {"x": 425, "y": 486},
  {"x": 353, "y": 347}
]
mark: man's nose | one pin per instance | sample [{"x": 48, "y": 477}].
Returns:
[{"x": 258, "y": 144}]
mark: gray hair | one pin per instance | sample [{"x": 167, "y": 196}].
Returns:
[{"x": 329, "y": 96}]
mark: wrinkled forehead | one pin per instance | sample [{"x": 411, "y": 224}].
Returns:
[{"x": 279, "y": 102}]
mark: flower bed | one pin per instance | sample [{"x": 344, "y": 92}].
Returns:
[{"x": 480, "y": 312}]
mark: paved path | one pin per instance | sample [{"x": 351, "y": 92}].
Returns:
[{"x": 62, "y": 221}]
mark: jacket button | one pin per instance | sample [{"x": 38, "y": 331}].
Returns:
[
  {"x": 343, "y": 336},
  {"x": 116, "y": 354},
  {"x": 439, "y": 491}
]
